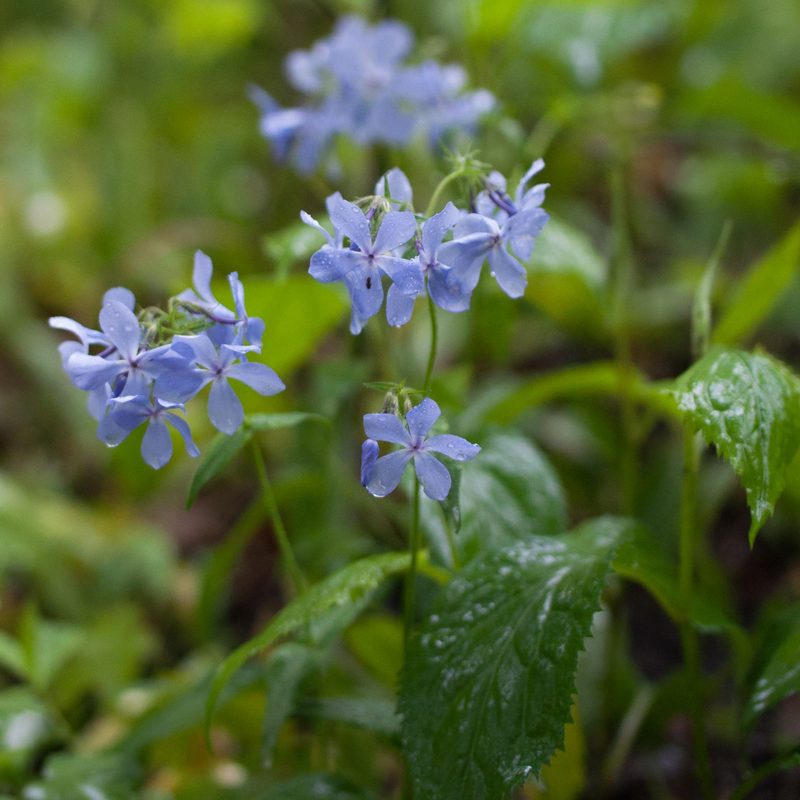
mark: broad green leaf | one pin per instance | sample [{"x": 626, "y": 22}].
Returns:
[
  {"x": 488, "y": 681},
  {"x": 284, "y": 671},
  {"x": 96, "y": 777},
  {"x": 288, "y": 344},
  {"x": 508, "y": 493},
  {"x": 371, "y": 713},
  {"x": 759, "y": 290},
  {"x": 219, "y": 454},
  {"x": 347, "y": 587},
  {"x": 779, "y": 677},
  {"x": 748, "y": 406},
  {"x": 47, "y": 645},
  {"x": 564, "y": 778},
  {"x": 288, "y": 419},
  {"x": 565, "y": 278}
]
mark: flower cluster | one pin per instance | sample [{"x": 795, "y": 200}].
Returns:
[
  {"x": 143, "y": 368},
  {"x": 441, "y": 255},
  {"x": 381, "y": 475},
  {"x": 359, "y": 86}
]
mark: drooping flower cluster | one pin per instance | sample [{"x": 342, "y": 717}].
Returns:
[
  {"x": 441, "y": 255},
  {"x": 359, "y": 85},
  {"x": 143, "y": 368},
  {"x": 381, "y": 475}
]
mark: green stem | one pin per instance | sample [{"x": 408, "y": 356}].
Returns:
[
  {"x": 437, "y": 192},
  {"x": 411, "y": 576},
  {"x": 426, "y": 386},
  {"x": 691, "y": 649},
  {"x": 289, "y": 560}
]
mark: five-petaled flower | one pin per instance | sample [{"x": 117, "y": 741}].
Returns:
[{"x": 381, "y": 475}]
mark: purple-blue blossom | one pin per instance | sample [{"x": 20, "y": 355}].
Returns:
[
  {"x": 359, "y": 85},
  {"x": 381, "y": 475}
]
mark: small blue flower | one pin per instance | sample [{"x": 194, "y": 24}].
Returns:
[
  {"x": 206, "y": 364},
  {"x": 128, "y": 413},
  {"x": 381, "y": 475}
]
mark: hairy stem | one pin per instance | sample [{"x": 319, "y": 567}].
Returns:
[
  {"x": 426, "y": 386},
  {"x": 289, "y": 560},
  {"x": 691, "y": 649},
  {"x": 437, "y": 192},
  {"x": 414, "y": 538}
]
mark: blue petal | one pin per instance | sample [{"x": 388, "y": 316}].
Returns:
[
  {"x": 201, "y": 276},
  {"x": 396, "y": 229},
  {"x": 369, "y": 455},
  {"x": 180, "y": 385},
  {"x": 476, "y": 223},
  {"x": 386, "y": 473},
  {"x": 329, "y": 264},
  {"x": 435, "y": 228},
  {"x": 447, "y": 291},
  {"x": 386, "y": 428},
  {"x": 121, "y": 295},
  {"x": 183, "y": 429},
  {"x": 405, "y": 273},
  {"x": 452, "y": 446},
  {"x": 156, "y": 444},
  {"x": 351, "y": 220},
  {"x": 366, "y": 290},
  {"x": 122, "y": 328},
  {"x": 395, "y": 185},
  {"x": 224, "y": 408},
  {"x": 433, "y": 476},
  {"x": 399, "y": 306},
  {"x": 91, "y": 372},
  {"x": 257, "y": 376},
  {"x": 420, "y": 419},
  {"x": 312, "y": 223},
  {"x": 521, "y": 230},
  {"x": 510, "y": 274}
]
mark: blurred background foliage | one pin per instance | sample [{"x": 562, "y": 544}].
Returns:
[{"x": 127, "y": 141}]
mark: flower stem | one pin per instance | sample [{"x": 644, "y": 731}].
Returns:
[
  {"x": 426, "y": 386},
  {"x": 414, "y": 538},
  {"x": 289, "y": 560},
  {"x": 437, "y": 192},
  {"x": 688, "y": 532}
]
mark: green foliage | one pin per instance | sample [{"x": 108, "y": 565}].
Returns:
[
  {"x": 67, "y": 777},
  {"x": 27, "y": 728},
  {"x": 344, "y": 588},
  {"x": 778, "y": 675},
  {"x": 748, "y": 406},
  {"x": 488, "y": 681},
  {"x": 507, "y": 494}
]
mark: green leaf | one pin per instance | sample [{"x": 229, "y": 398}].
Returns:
[
  {"x": 506, "y": 494},
  {"x": 288, "y": 419},
  {"x": 293, "y": 244},
  {"x": 701, "y": 306},
  {"x": 779, "y": 676},
  {"x": 47, "y": 645},
  {"x": 488, "y": 682},
  {"x": 566, "y": 276},
  {"x": 219, "y": 454},
  {"x": 376, "y": 641},
  {"x": 758, "y": 292},
  {"x": 12, "y": 656},
  {"x": 26, "y": 728},
  {"x": 347, "y": 587},
  {"x": 748, "y": 406}
]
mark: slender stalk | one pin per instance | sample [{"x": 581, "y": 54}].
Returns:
[
  {"x": 426, "y": 386},
  {"x": 289, "y": 560},
  {"x": 437, "y": 192},
  {"x": 691, "y": 650},
  {"x": 414, "y": 538}
]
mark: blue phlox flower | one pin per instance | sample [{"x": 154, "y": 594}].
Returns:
[
  {"x": 128, "y": 413},
  {"x": 129, "y": 366},
  {"x": 361, "y": 265},
  {"x": 205, "y": 363},
  {"x": 248, "y": 329},
  {"x": 382, "y": 475},
  {"x": 495, "y": 202},
  {"x": 395, "y": 187}
]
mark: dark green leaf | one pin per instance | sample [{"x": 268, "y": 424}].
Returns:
[
  {"x": 26, "y": 728},
  {"x": 288, "y": 419},
  {"x": 779, "y": 676},
  {"x": 219, "y": 454},
  {"x": 348, "y": 586},
  {"x": 758, "y": 292},
  {"x": 487, "y": 686},
  {"x": 748, "y": 406},
  {"x": 508, "y": 493}
]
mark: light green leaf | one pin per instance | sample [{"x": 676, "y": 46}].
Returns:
[
  {"x": 281, "y": 303},
  {"x": 219, "y": 454},
  {"x": 348, "y": 586},
  {"x": 288, "y": 419},
  {"x": 12, "y": 656},
  {"x": 294, "y": 244},
  {"x": 508, "y": 493},
  {"x": 760, "y": 289},
  {"x": 376, "y": 640},
  {"x": 779, "y": 677},
  {"x": 748, "y": 406},
  {"x": 72, "y": 777},
  {"x": 26, "y": 728},
  {"x": 566, "y": 276},
  {"x": 488, "y": 682},
  {"x": 47, "y": 646}
]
